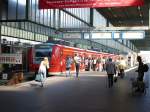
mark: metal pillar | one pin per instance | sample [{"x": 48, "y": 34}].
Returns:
[
  {"x": 91, "y": 16},
  {"x": 149, "y": 15},
  {"x": 0, "y": 22},
  {"x": 0, "y": 30},
  {"x": 0, "y": 37}
]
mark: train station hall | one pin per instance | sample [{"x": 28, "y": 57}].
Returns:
[{"x": 74, "y": 55}]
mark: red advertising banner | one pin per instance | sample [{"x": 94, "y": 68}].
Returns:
[{"x": 52, "y": 4}]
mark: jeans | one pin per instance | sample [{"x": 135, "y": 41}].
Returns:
[
  {"x": 110, "y": 80},
  {"x": 77, "y": 69}
]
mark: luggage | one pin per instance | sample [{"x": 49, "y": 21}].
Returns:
[
  {"x": 39, "y": 77},
  {"x": 145, "y": 68}
]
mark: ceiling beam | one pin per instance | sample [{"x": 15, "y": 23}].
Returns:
[
  {"x": 122, "y": 28},
  {"x": 144, "y": 48},
  {"x": 127, "y": 19},
  {"x": 104, "y": 29}
]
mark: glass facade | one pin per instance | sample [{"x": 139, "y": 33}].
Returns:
[
  {"x": 82, "y": 13},
  {"x": 56, "y": 18},
  {"x": 26, "y": 30},
  {"x": 98, "y": 19},
  {"x": 22, "y": 34},
  {"x": 14, "y": 9},
  {"x": 68, "y": 21}
]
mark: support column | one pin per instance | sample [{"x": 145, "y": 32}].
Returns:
[
  {"x": 91, "y": 16},
  {"x": 149, "y": 16},
  {"x": 0, "y": 22},
  {"x": 0, "y": 37},
  {"x": 0, "y": 30}
]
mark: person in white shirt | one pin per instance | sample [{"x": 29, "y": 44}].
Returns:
[
  {"x": 42, "y": 69},
  {"x": 122, "y": 66},
  {"x": 94, "y": 64},
  {"x": 77, "y": 61}
]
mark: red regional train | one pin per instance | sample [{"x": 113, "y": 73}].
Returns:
[{"x": 57, "y": 57}]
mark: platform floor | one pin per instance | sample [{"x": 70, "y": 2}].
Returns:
[{"x": 88, "y": 94}]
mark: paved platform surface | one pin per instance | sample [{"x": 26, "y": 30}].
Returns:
[{"x": 88, "y": 94}]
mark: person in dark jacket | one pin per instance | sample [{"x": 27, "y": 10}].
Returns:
[
  {"x": 139, "y": 83},
  {"x": 140, "y": 69},
  {"x": 111, "y": 70},
  {"x": 68, "y": 65}
]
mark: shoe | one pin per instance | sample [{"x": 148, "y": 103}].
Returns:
[
  {"x": 78, "y": 78},
  {"x": 41, "y": 85}
]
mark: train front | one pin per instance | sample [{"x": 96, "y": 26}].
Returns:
[{"x": 37, "y": 54}]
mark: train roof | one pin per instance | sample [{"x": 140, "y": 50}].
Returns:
[{"x": 51, "y": 44}]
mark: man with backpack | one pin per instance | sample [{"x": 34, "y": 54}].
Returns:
[{"x": 140, "y": 69}]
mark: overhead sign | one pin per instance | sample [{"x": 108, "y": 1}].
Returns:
[
  {"x": 102, "y": 35},
  {"x": 72, "y": 35},
  {"x": 52, "y": 4},
  {"x": 86, "y": 36},
  {"x": 119, "y": 35},
  {"x": 133, "y": 35}
]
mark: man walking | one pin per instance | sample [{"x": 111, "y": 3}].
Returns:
[
  {"x": 111, "y": 70},
  {"x": 77, "y": 61}
]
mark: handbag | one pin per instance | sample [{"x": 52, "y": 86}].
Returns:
[
  {"x": 115, "y": 79},
  {"x": 39, "y": 77}
]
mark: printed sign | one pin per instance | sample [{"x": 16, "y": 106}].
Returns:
[
  {"x": 11, "y": 58},
  {"x": 5, "y": 76},
  {"x": 72, "y": 35},
  {"x": 52, "y": 4}
]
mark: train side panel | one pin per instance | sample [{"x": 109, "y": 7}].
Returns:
[
  {"x": 55, "y": 61},
  {"x": 57, "y": 57}
]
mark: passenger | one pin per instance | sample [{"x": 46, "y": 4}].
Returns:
[
  {"x": 139, "y": 83},
  {"x": 98, "y": 64},
  {"x": 86, "y": 64},
  {"x": 94, "y": 64},
  {"x": 111, "y": 70},
  {"x": 77, "y": 61},
  {"x": 68, "y": 65},
  {"x": 117, "y": 64},
  {"x": 44, "y": 65},
  {"x": 122, "y": 66},
  {"x": 140, "y": 69},
  {"x": 103, "y": 64},
  {"x": 89, "y": 64}
]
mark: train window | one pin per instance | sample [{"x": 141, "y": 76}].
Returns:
[{"x": 41, "y": 53}]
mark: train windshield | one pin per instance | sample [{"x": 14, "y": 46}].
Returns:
[{"x": 41, "y": 52}]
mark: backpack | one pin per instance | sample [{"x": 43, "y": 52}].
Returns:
[{"x": 145, "y": 68}]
